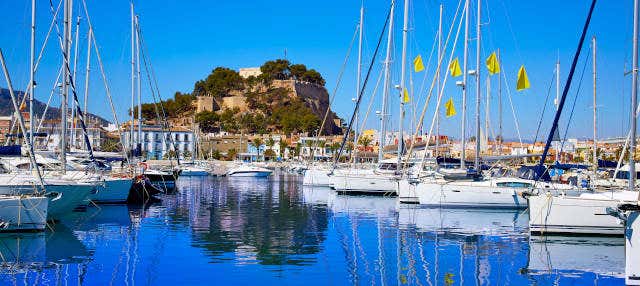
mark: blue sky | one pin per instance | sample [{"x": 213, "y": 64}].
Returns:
[{"x": 187, "y": 39}]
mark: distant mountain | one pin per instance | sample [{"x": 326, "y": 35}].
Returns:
[{"x": 6, "y": 108}]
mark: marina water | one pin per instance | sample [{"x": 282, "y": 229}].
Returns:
[{"x": 273, "y": 231}]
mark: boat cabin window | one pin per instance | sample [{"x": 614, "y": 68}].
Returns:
[
  {"x": 388, "y": 166},
  {"x": 625, "y": 175},
  {"x": 514, "y": 184},
  {"x": 44, "y": 167}
]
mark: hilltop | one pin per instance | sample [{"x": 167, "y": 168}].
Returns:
[{"x": 277, "y": 97}]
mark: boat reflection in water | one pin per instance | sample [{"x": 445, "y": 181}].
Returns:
[
  {"x": 602, "y": 256},
  {"x": 27, "y": 255},
  {"x": 493, "y": 247}
]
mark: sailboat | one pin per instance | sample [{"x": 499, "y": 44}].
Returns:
[
  {"x": 442, "y": 187},
  {"x": 585, "y": 213},
  {"x": 382, "y": 179},
  {"x": 64, "y": 195}
]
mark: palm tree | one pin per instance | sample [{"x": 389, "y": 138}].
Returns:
[
  {"x": 283, "y": 146},
  {"x": 333, "y": 148},
  {"x": 309, "y": 144},
  {"x": 270, "y": 143},
  {"x": 231, "y": 154},
  {"x": 364, "y": 141},
  {"x": 257, "y": 142},
  {"x": 322, "y": 145}
]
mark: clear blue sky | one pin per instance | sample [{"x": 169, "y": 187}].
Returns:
[{"x": 187, "y": 39}]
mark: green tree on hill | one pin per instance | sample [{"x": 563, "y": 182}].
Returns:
[
  {"x": 313, "y": 76},
  {"x": 173, "y": 107},
  {"x": 298, "y": 71},
  {"x": 208, "y": 121},
  {"x": 219, "y": 83},
  {"x": 228, "y": 121},
  {"x": 278, "y": 69}
]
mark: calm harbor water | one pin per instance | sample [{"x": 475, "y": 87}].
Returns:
[{"x": 243, "y": 231}]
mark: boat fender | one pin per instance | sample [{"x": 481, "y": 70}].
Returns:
[
  {"x": 54, "y": 196},
  {"x": 526, "y": 194}
]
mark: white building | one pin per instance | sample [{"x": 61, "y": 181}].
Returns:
[
  {"x": 156, "y": 143},
  {"x": 315, "y": 146},
  {"x": 75, "y": 136}
]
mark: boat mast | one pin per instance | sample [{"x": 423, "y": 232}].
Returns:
[
  {"x": 32, "y": 75},
  {"x": 634, "y": 103},
  {"x": 133, "y": 79},
  {"x": 557, "y": 104},
  {"x": 487, "y": 110},
  {"x": 65, "y": 84},
  {"x": 387, "y": 81},
  {"x": 500, "y": 106},
  {"x": 595, "y": 134},
  {"x": 464, "y": 85},
  {"x": 137, "y": 30},
  {"x": 405, "y": 30},
  {"x": 438, "y": 84},
  {"x": 477, "y": 74},
  {"x": 358, "y": 78},
  {"x": 20, "y": 120},
  {"x": 75, "y": 66},
  {"x": 87, "y": 70}
]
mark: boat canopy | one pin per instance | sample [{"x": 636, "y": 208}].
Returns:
[{"x": 11, "y": 150}]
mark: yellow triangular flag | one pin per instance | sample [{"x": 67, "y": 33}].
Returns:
[
  {"x": 450, "y": 110},
  {"x": 454, "y": 68},
  {"x": 523, "y": 79},
  {"x": 405, "y": 97},
  {"x": 417, "y": 64},
  {"x": 492, "y": 64}
]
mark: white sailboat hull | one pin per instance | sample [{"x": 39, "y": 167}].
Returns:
[
  {"x": 574, "y": 214},
  {"x": 632, "y": 248},
  {"x": 365, "y": 183},
  {"x": 23, "y": 213},
  {"x": 316, "y": 177},
  {"x": 406, "y": 190},
  {"x": 482, "y": 194}
]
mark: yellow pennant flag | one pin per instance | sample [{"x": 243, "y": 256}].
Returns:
[
  {"x": 417, "y": 64},
  {"x": 523, "y": 79},
  {"x": 405, "y": 97},
  {"x": 454, "y": 68},
  {"x": 492, "y": 64},
  {"x": 450, "y": 110}
]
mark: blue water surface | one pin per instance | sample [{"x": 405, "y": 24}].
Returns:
[{"x": 273, "y": 231}]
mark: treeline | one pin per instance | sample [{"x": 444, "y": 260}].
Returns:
[{"x": 174, "y": 107}]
